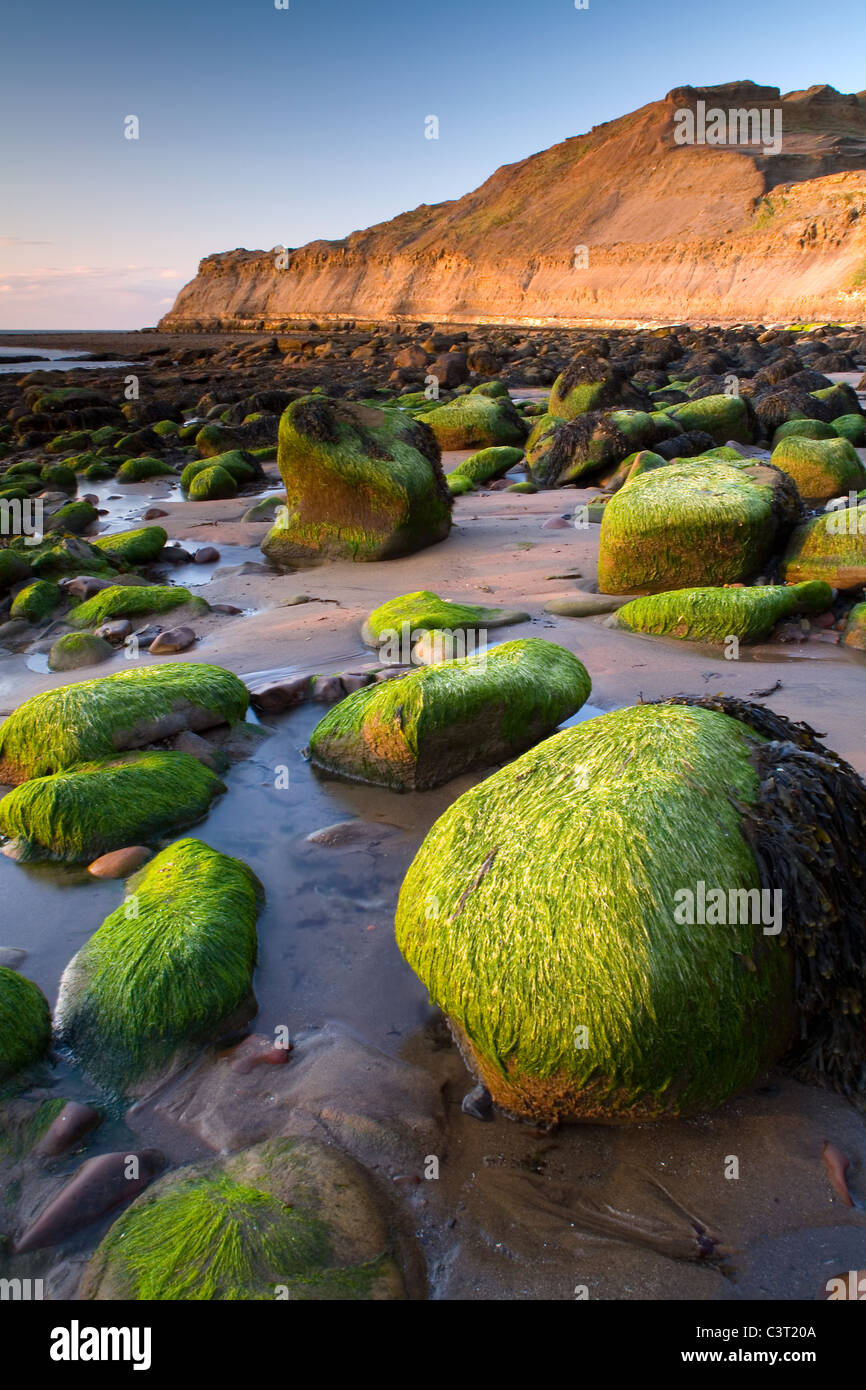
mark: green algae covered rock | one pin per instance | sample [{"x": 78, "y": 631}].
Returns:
[
  {"x": 852, "y": 428},
  {"x": 59, "y": 475},
  {"x": 97, "y": 719},
  {"x": 361, "y": 484},
  {"x": 25, "y": 1024},
  {"x": 236, "y": 462},
  {"x": 696, "y": 522},
  {"x": 804, "y": 429},
  {"x": 136, "y": 470},
  {"x": 288, "y": 1219},
  {"x": 723, "y": 417},
  {"x": 75, "y": 518},
  {"x": 424, "y": 609},
  {"x": 442, "y": 720},
  {"x": 458, "y": 484},
  {"x": 13, "y": 568},
  {"x": 821, "y": 468},
  {"x": 92, "y": 808},
  {"x": 77, "y": 649},
  {"x": 714, "y": 615},
  {"x": 136, "y": 547},
  {"x": 36, "y": 602},
  {"x": 212, "y": 484},
  {"x": 855, "y": 628},
  {"x": 831, "y": 547},
  {"x": 555, "y": 913},
  {"x": 129, "y": 600},
  {"x": 572, "y": 448},
  {"x": 587, "y": 384},
  {"x": 486, "y": 465},
  {"x": 477, "y": 422},
  {"x": 168, "y": 971}
]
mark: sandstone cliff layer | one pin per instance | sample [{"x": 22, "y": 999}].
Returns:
[{"x": 622, "y": 224}]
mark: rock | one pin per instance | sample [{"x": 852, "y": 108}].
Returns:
[
  {"x": 175, "y": 639},
  {"x": 98, "y": 718},
  {"x": 114, "y": 632},
  {"x": 228, "y": 608},
  {"x": 100, "y": 1185},
  {"x": 855, "y": 628},
  {"x": 211, "y": 484},
  {"x": 556, "y": 523},
  {"x": 476, "y": 422},
  {"x": 153, "y": 513},
  {"x": 289, "y": 1219},
  {"x": 36, "y": 601},
  {"x": 832, "y": 547},
  {"x": 478, "y": 1103},
  {"x": 206, "y": 555},
  {"x": 694, "y": 523},
  {"x": 652, "y": 1006},
  {"x": 821, "y": 468},
  {"x": 716, "y": 615},
  {"x": 84, "y": 586},
  {"x": 282, "y": 695},
  {"x": 254, "y": 1051},
  {"x": 333, "y": 452},
  {"x": 84, "y": 811},
  {"x": 200, "y": 748},
  {"x": 12, "y": 957},
  {"x": 487, "y": 464},
  {"x": 123, "y": 601},
  {"x": 78, "y": 649},
  {"x": 562, "y": 451},
  {"x": 265, "y": 510},
  {"x": 67, "y": 1129},
  {"x": 327, "y": 689},
  {"x": 25, "y": 1024},
  {"x": 175, "y": 554},
  {"x": 590, "y": 384},
  {"x": 356, "y": 680},
  {"x": 394, "y": 622},
  {"x": 443, "y": 720},
  {"x": 120, "y": 863},
  {"x": 350, "y": 834},
  {"x": 138, "y": 547},
  {"x": 149, "y": 988},
  {"x": 450, "y": 369},
  {"x": 723, "y": 417},
  {"x": 583, "y": 605}
]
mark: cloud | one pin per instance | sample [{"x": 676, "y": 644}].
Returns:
[{"x": 19, "y": 241}]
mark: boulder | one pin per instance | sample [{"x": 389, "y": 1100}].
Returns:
[
  {"x": 821, "y": 468},
  {"x": 25, "y": 1024},
  {"x": 715, "y": 615}
]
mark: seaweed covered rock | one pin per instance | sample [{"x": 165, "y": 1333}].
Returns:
[
  {"x": 592, "y": 441},
  {"x": 36, "y": 602},
  {"x": 130, "y": 600},
  {"x": 361, "y": 484},
  {"x": 714, "y": 615},
  {"x": 78, "y": 649},
  {"x": 290, "y": 1218},
  {"x": 93, "y": 808},
  {"x": 855, "y": 628},
  {"x": 589, "y": 384},
  {"x": 138, "y": 470},
  {"x": 852, "y": 428},
  {"x": 25, "y": 1024},
  {"x": 442, "y": 720},
  {"x": 723, "y": 417},
  {"x": 242, "y": 466},
  {"x": 136, "y": 547},
  {"x": 830, "y": 547},
  {"x": 476, "y": 422},
  {"x": 167, "y": 972},
  {"x": 212, "y": 484},
  {"x": 424, "y": 609},
  {"x": 486, "y": 465},
  {"x": 695, "y": 522},
  {"x": 74, "y": 517},
  {"x": 601, "y": 920},
  {"x": 821, "y": 468},
  {"x": 96, "y": 719},
  {"x": 13, "y": 568}
]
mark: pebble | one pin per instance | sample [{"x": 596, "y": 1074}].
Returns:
[
  {"x": 67, "y": 1128},
  {"x": 115, "y": 631},
  {"x": 200, "y": 748},
  {"x": 555, "y": 523},
  {"x": 153, "y": 513},
  {"x": 478, "y": 1104},
  {"x": 119, "y": 863},
  {"x": 283, "y": 695},
  {"x": 84, "y": 586},
  {"x": 175, "y": 639},
  {"x": 206, "y": 555},
  {"x": 225, "y": 608}
]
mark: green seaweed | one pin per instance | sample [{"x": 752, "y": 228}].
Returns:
[
  {"x": 127, "y": 600},
  {"x": 25, "y": 1023},
  {"x": 714, "y": 615}
]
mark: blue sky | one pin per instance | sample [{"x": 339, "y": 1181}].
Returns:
[{"x": 261, "y": 126}]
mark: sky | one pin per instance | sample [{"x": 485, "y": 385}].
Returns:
[{"x": 261, "y": 126}]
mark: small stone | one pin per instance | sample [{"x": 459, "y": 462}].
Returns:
[
  {"x": 67, "y": 1128},
  {"x": 174, "y": 639},
  {"x": 225, "y": 608},
  {"x": 146, "y": 635},
  {"x": 200, "y": 748},
  {"x": 254, "y": 1050},
  {"x": 478, "y": 1104},
  {"x": 84, "y": 586},
  {"x": 115, "y": 631},
  {"x": 356, "y": 680},
  {"x": 76, "y": 650},
  {"x": 206, "y": 555},
  {"x": 90, "y": 497},
  {"x": 153, "y": 513},
  {"x": 175, "y": 555},
  {"x": 120, "y": 863},
  {"x": 555, "y": 523},
  {"x": 282, "y": 695}
]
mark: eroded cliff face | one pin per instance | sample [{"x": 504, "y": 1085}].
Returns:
[{"x": 623, "y": 223}]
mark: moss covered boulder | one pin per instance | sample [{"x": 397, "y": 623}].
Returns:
[
  {"x": 212, "y": 485},
  {"x": 855, "y": 628},
  {"x": 442, "y": 720},
  {"x": 696, "y": 522},
  {"x": 25, "y": 1024},
  {"x": 96, "y": 719},
  {"x": 821, "y": 468},
  {"x": 13, "y": 568},
  {"x": 74, "y": 517},
  {"x": 852, "y": 428},
  {"x": 591, "y": 442},
  {"x": 138, "y": 470},
  {"x": 168, "y": 971},
  {"x": 830, "y": 547},
  {"x": 291, "y": 1219},
  {"x": 804, "y": 429},
  {"x": 589, "y": 917},
  {"x": 78, "y": 649},
  {"x": 424, "y": 609},
  {"x": 714, "y": 615},
  {"x": 131, "y": 600},
  {"x": 723, "y": 417},
  {"x": 361, "y": 484},
  {"x": 239, "y": 464},
  {"x": 92, "y": 808},
  {"x": 477, "y": 422},
  {"x": 587, "y": 384},
  {"x": 136, "y": 547},
  {"x": 486, "y": 465},
  {"x": 36, "y": 602}
]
